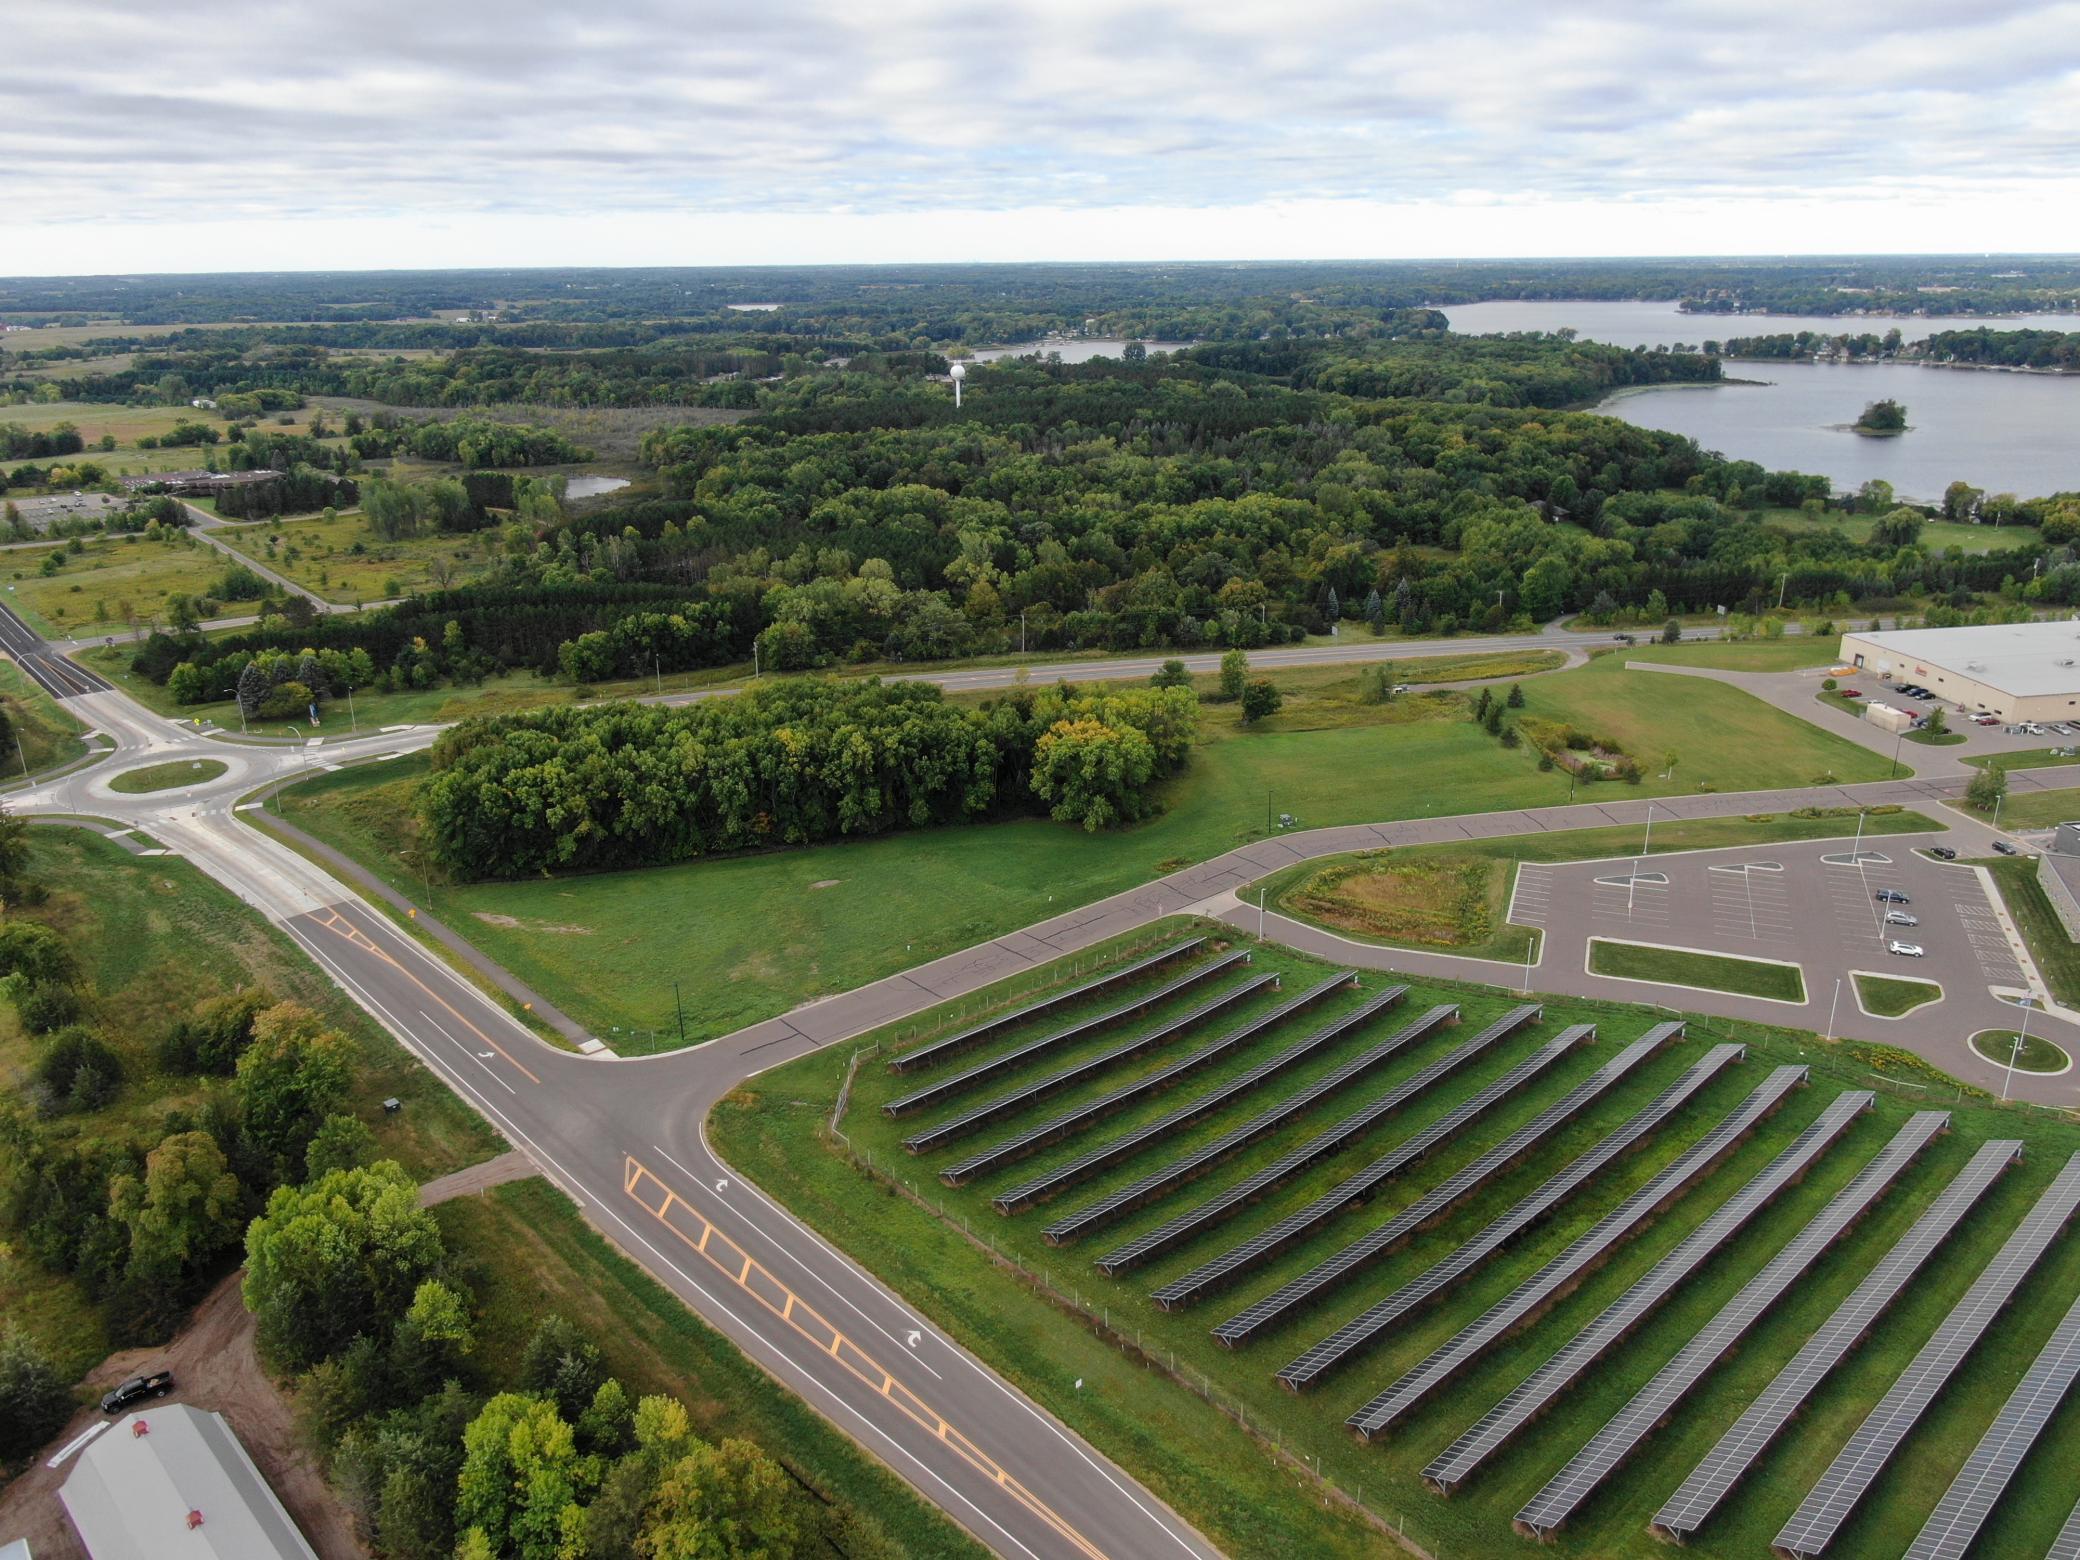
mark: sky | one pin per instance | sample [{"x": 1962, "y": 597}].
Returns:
[{"x": 174, "y": 135}]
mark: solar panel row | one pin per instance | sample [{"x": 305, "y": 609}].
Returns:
[
  {"x": 1136, "y": 1194},
  {"x": 1433, "y": 1204},
  {"x": 1760, "y": 1423},
  {"x": 1184, "y": 1226},
  {"x": 1856, "y": 1467},
  {"x": 1072, "y": 1121},
  {"x": 1018, "y": 1056},
  {"x": 1972, "y": 1495},
  {"x": 1652, "y": 1405},
  {"x": 1128, "y": 1144},
  {"x": 1355, "y": 1189},
  {"x": 1549, "y": 1282},
  {"x": 939, "y": 1050},
  {"x": 2067, "y": 1545},
  {"x": 1531, "y": 1396},
  {"x": 1010, "y": 1104},
  {"x": 1322, "y": 1358}
]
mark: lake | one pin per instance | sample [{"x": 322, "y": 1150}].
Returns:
[
  {"x": 593, "y": 487},
  {"x": 1074, "y": 349},
  {"x": 2007, "y": 433}
]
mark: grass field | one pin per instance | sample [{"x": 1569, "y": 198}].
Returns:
[
  {"x": 2032, "y": 809},
  {"x": 48, "y": 736},
  {"x": 110, "y": 581},
  {"x": 127, "y": 424},
  {"x": 1891, "y": 998},
  {"x": 527, "y": 1252},
  {"x": 1129, "y": 1375},
  {"x": 2057, "y": 956},
  {"x": 750, "y": 936},
  {"x": 167, "y": 777},
  {"x": 1937, "y": 536},
  {"x": 342, "y": 560},
  {"x": 1436, "y": 898},
  {"x": 2035, "y": 1054},
  {"x": 1684, "y": 967}
]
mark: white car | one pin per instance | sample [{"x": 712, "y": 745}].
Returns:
[
  {"x": 1908, "y": 950},
  {"x": 1901, "y": 918}
]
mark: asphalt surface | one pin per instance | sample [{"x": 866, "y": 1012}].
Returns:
[
  {"x": 56, "y": 676},
  {"x": 625, "y": 1138}
]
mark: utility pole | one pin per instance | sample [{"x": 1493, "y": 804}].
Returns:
[
  {"x": 353, "y": 720},
  {"x": 658, "y": 661},
  {"x": 1267, "y": 814},
  {"x": 1021, "y": 630},
  {"x": 680, "y": 1009},
  {"x": 1786, "y": 580}
]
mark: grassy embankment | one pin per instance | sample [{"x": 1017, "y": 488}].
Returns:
[
  {"x": 750, "y": 936},
  {"x": 1889, "y": 997},
  {"x": 153, "y": 938},
  {"x": 1116, "y": 1372},
  {"x": 1455, "y": 898},
  {"x": 48, "y": 735},
  {"x": 2030, "y": 809},
  {"x": 2056, "y": 955},
  {"x": 1685, "y": 967}
]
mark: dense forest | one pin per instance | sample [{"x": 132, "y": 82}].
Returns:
[{"x": 2052, "y": 350}]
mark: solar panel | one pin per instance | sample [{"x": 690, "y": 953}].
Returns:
[
  {"x": 1128, "y": 1144},
  {"x": 1585, "y": 1251},
  {"x": 1652, "y": 1405},
  {"x": 1018, "y": 1056},
  {"x": 1525, "y": 1401},
  {"x": 939, "y": 1050},
  {"x": 1332, "y": 1140},
  {"x": 1433, "y": 1204},
  {"x": 1856, "y": 1467},
  {"x": 1072, "y": 1121},
  {"x": 1724, "y": 1466},
  {"x": 2067, "y": 1545},
  {"x": 1333, "y": 1351},
  {"x": 1139, "y": 1193},
  {"x": 1264, "y": 1245},
  {"x": 1018, "y": 1099},
  {"x": 1972, "y": 1495}
]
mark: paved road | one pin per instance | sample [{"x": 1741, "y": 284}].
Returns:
[
  {"x": 625, "y": 1138},
  {"x": 51, "y": 672}
]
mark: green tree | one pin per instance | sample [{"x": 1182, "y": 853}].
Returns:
[
  {"x": 563, "y": 1365},
  {"x": 336, "y": 1259},
  {"x": 288, "y": 1079},
  {"x": 1544, "y": 591},
  {"x": 34, "y": 1400},
  {"x": 1093, "y": 773},
  {"x": 1938, "y": 721},
  {"x": 1234, "y": 673},
  {"x": 340, "y": 1143},
  {"x": 727, "y": 1502},
  {"x": 1260, "y": 698},
  {"x": 1516, "y": 696},
  {"x": 1886, "y": 416},
  {"x": 1671, "y": 632},
  {"x": 1898, "y": 528},
  {"x": 1986, "y": 789},
  {"x": 183, "y": 1210},
  {"x": 523, "y": 1484},
  {"x": 1171, "y": 674}
]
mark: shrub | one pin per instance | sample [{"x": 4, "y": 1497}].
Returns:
[
  {"x": 34, "y": 1401},
  {"x": 77, "y": 1070}
]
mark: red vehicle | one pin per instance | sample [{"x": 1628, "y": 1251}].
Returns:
[{"x": 1852, "y": 693}]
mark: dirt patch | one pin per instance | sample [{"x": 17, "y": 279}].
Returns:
[
  {"x": 826, "y": 883},
  {"x": 216, "y": 1367},
  {"x": 514, "y": 923}
]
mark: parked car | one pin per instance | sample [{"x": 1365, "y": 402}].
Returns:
[
  {"x": 1852, "y": 693},
  {"x": 1986, "y": 720},
  {"x": 1891, "y": 896},
  {"x": 2062, "y": 730},
  {"x": 2005, "y": 848},
  {"x": 153, "y": 1384},
  {"x": 1901, "y": 918},
  {"x": 1942, "y": 852},
  {"x": 1907, "y": 950}
]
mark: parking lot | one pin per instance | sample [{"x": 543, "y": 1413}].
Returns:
[{"x": 1813, "y": 904}]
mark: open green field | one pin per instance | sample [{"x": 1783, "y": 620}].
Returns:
[
  {"x": 1937, "y": 536},
  {"x": 127, "y": 424},
  {"x": 1129, "y": 1376},
  {"x": 527, "y": 1252},
  {"x": 750, "y": 936},
  {"x": 2057, "y": 956},
  {"x": 342, "y": 560},
  {"x": 1687, "y": 967},
  {"x": 1889, "y": 997},
  {"x": 2033, "y": 809},
  {"x": 2033, "y": 758},
  {"x": 111, "y": 582},
  {"x": 48, "y": 735},
  {"x": 168, "y": 776},
  {"x": 2034, "y": 1054}
]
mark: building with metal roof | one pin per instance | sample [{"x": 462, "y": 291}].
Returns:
[
  {"x": 173, "y": 1483},
  {"x": 2018, "y": 671}
]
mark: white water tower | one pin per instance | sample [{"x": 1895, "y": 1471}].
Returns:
[{"x": 960, "y": 372}]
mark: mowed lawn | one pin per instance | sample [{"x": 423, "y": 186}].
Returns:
[
  {"x": 342, "y": 560},
  {"x": 750, "y": 936},
  {"x": 110, "y": 581},
  {"x": 2031, "y": 809},
  {"x": 1231, "y": 1482}
]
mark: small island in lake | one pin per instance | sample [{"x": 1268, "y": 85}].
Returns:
[{"x": 1882, "y": 420}]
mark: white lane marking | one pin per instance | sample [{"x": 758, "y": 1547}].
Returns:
[{"x": 475, "y": 1056}]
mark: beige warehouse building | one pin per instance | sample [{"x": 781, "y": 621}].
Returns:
[{"x": 2018, "y": 671}]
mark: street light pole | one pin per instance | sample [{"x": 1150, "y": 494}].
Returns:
[
  {"x": 241, "y": 703},
  {"x": 1896, "y": 741},
  {"x": 657, "y": 661},
  {"x": 1632, "y": 882},
  {"x": 353, "y": 720},
  {"x": 2021, "y": 1038},
  {"x": 1833, "y": 1005}
]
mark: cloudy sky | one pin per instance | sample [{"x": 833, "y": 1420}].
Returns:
[{"x": 162, "y": 135}]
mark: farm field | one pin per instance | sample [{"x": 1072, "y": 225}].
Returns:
[
  {"x": 342, "y": 560},
  {"x": 1133, "y": 1376},
  {"x": 749, "y": 936},
  {"x": 108, "y": 582}
]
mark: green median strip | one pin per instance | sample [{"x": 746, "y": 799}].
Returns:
[
  {"x": 1690, "y": 967},
  {"x": 167, "y": 777},
  {"x": 2034, "y": 1055},
  {"x": 1883, "y": 996}
]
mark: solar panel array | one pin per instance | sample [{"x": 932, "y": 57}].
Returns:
[
  {"x": 1267, "y": 1243},
  {"x": 1330, "y": 1141},
  {"x": 1011, "y": 1104},
  {"x": 2067, "y": 1545},
  {"x": 1433, "y": 1204},
  {"x": 1531, "y": 1396},
  {"x": 1018, "y": 1056},
  {"x": 1118, "y": 1204},
  {"x": 937, "y": 1052},
  {"x": 1535, "y": 1293},
  {"x": 1973, "y": 1494},
  {"x": 1325, "y": 1356},
  {"x": 1856, "y": 1467},
  {"x": 1072, "y": 1121},
  {"x": 1654, "y": 1402},
  {"x": 1128, "y": 1144},
  {"x": 1727, "y": 1463}
]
